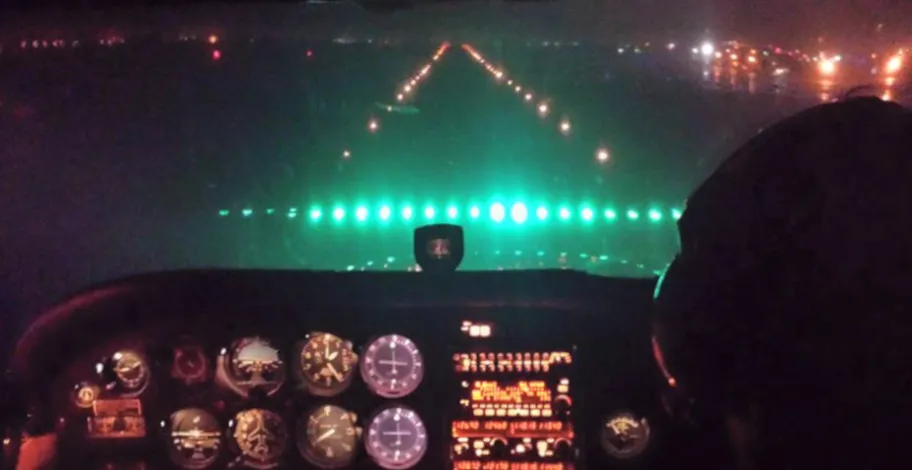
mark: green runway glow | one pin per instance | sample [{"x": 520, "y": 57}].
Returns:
[{"x": 515, "y": 212}]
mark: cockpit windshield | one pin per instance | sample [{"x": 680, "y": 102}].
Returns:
[{"x": 560, "y": 135}]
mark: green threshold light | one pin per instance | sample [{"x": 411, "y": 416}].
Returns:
[{"x": 506, "y": 212}]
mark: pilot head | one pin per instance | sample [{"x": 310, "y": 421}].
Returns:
[{"x": 785, "y": 321}]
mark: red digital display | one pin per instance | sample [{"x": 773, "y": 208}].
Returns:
[
  {"x": 519, "y": 393},
  {"x": 515, "y": 411},
  {"x": 517, "y": 399},
  {"x": 524, "y": 362},
  {"x": 116, "y": 419},
  {"x": 507, "y": 465},
  {"x": 512, "y": 429}
]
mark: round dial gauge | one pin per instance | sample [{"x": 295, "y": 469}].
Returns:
[
  {"x": 254, "y": 363},
  {"x": 396, "y": 438},
  {"x": 327, "y": 363},
  {"x": 130, "y": 372},
  {"x": 327, "y": 437},
  {"x": 261, "y": 437},
  {"x": 625, "y": 436},
  {"x": 84, "y": 394},
  {"x": 392, "y": 366},
  {"x": 190, "y": 365},
  {"x": 196, "y": 439}
]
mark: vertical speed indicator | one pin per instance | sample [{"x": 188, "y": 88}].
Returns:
[{"x": 392, "y": 366}]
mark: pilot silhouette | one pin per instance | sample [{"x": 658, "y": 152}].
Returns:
[{"x": 785, "y": 321}]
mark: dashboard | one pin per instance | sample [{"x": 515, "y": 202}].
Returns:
[{"x": 216, "y": 369}]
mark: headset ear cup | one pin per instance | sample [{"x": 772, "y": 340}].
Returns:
[
  {"x": 675, "y": 399},
  {"x": 668, "y": 325},
  {"x": 692, "y": 308}
]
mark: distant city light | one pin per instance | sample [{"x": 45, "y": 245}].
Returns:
[
  {"x": 827, "y": 67},
  {"x": 707, "y": 49},
  {"x": 894, "y": 64}
]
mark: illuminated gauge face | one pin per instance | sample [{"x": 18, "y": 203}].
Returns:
[
  {"x": 130, "y": 372},
  {"x": 254, "y": 363},
  {"x": 190, "y": 365},
  {"x": 327, "y": 363},
  {"x": 84, "y": 394},
  {"x": 625, "y": 436},
  {"x": 261, "y": 437},
  {"x": 392, "y": 366},
  {"x": 196, "y": 439},
  {"x": 396, "y": 438},
  {"x": 327, "y": 437}
]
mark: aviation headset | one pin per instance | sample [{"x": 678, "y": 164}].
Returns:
[{"x": 712, "y": 336}]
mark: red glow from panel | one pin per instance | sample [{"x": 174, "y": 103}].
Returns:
[
  {"x": 505, "y": 465},
  {"x": 523, "y": 392},
  {"x": 512, "y": 429}
]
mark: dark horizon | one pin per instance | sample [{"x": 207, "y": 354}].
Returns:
[{"x": 798, "y": 23}]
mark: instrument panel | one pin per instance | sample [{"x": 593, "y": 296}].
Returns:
[
  {"x": 261, "y": 403},
  {"x": 458, "y": 388}
]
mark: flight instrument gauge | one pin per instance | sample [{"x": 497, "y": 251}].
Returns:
[
  {"x": 190, "y": 365},
  {"x": 261, "y": 438},
  {"x": 625, "y": 436},
  {"x": 327, "y": 437},
  {"x": 396, "y": 438},
  {"x": 253, "y": 363},
  {"x": 392, "y": 366},
  {"x": 327, "y": 363},
  {"x": 195, "y": 437},
  {"x": 127, "y": 372}
]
